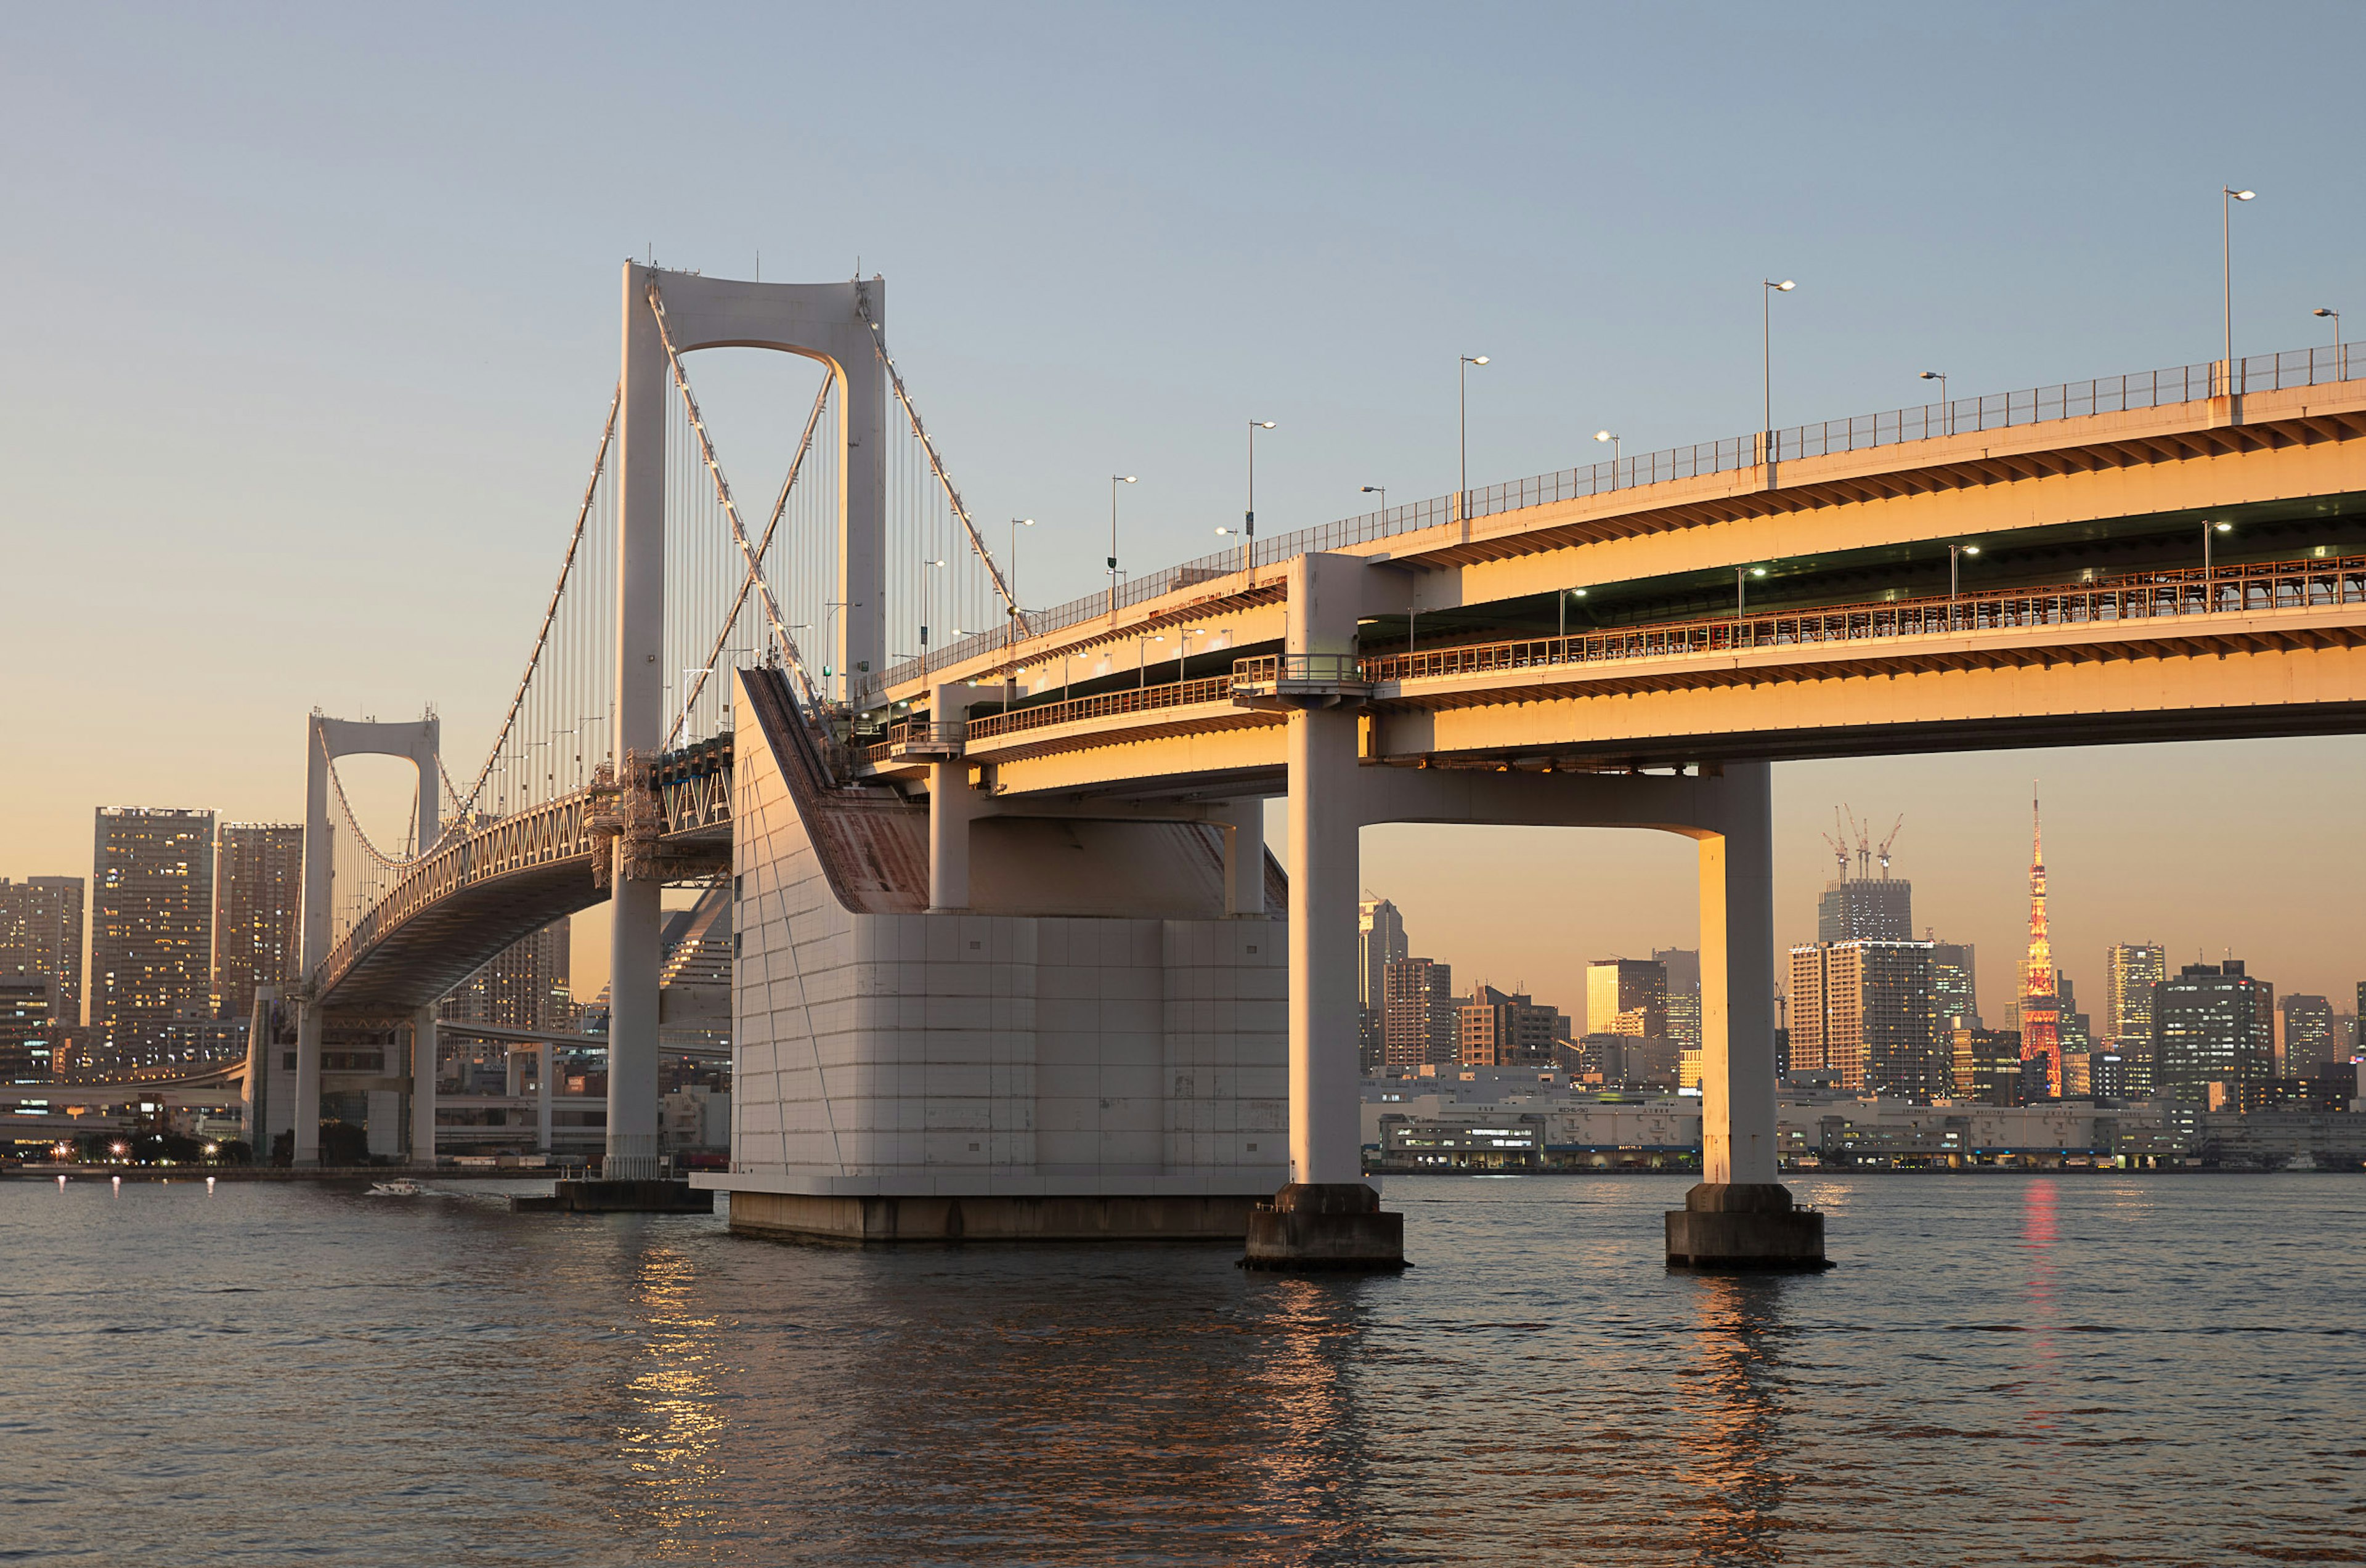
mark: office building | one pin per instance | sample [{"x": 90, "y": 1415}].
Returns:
[
  {"x": 1682, "y": 965},
  {"x": 1954, "y": 986},
  {"x": 1380, "y": 940},
  {"x": 2214, "y": 1024},
  {"x": 40, "y": 936},
  {"x": 2132, "y": 971},
  {"x": 1861, "y": 1013},
  {"x": 1507, "y": 1029},
  {"x": 258, "y": 897},
  {"x": 2304, "y": 1037},
  {"x": 28, "y": 1026},
  {"x": 1858, "y": 908},
  {"x": 151, "y": 930},
  {"x": 524, "y": 986},
  {"x": 1420, "y": 1024},
  {"x": 1627, "y": 996}
]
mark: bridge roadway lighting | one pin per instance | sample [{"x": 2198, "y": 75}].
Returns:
[
  {"x": 1462, "y": 492},
  {"x": 1142, "y": 660},
  {"x": 1012, "y": 611},
  {"x": 1115, "y": 480},
  {"x": 1611, "y": 436},
  {"x": 2227, "y": 197},
  {"x": 1767, "y": 290},
  {"x": 2209, "y": 589},
  {"x": 1742, "y": 576},
  {"x": 1382, "y": 491},
  {"x": 1940, "y": 377},
  {"x": 1952, "y": 552},
  {"x": 925, "y": 585},
  {"x": 1248, "y": 518},
  {"x": 2328, "y": 311}
]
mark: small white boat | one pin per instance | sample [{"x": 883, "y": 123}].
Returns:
[{"x": 401, "y": 1186}]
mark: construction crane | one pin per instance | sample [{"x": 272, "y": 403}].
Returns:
[
  {"x": 1838, "y": 839},
  {"x": 1863, "y": 847},
  {"x": 1883, "y": 852}
]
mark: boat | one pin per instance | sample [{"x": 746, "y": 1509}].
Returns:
[{"x": 401, "y": 1186}]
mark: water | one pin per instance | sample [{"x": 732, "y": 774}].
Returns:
[{"x": 2087, "y": 1370}]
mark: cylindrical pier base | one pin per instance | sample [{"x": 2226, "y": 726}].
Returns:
[
  {"x": 1325, "y": 1225},
  {"x": 1744, "y": 1226}
]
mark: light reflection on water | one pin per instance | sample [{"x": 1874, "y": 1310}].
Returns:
[{"x": 2073, "y": 1368}]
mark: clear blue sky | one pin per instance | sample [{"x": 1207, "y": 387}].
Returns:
[{"x": 314, "y": 317}]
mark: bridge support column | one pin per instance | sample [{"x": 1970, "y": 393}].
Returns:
[
  {"x": 306, "y": 1144},
  {"x": 1741, "y": 1216},
  {"x": 545, "y": 1066},
  {"x": 1328, "y": 1217},
  {"x": 634, "y": 964},
  {"x": 1244, "y": 823},
  {"x": 423, "y": 1086}
]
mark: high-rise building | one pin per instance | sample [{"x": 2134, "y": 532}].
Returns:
[
  {"x": 1954, "y": 986},
  {"x": 1987, "y": 1066},
  {"x": 1862, "y": 1011},
  {"x": 1420, "y": 1024},
  {"x": 1682, "y": 967},
  {"x": 40, "y": 934},
  {"x": 524, "y": 986},
  {"x": 2305, "y": 1040},
  {"x": 2213, "y": 1025},
  {"x": 1863, "y": 908},
  {"x": 151, "y": 930},
  {"x": 2040, "y": 1012},
  {"x": 1627, "y": 996},
  {"x": 258, "y": 897},
  {"x": 1507, "y": 1029},
  {"x": 1380, "y": 940},
  {"x": 2133, "y": 969}
]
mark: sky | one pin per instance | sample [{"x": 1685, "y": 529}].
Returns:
[{"x": 315, "y": 311}]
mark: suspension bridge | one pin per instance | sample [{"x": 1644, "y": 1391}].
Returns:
[{"x": 1011, "y": 956}]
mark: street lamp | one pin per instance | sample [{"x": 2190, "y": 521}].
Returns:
[
  {"x": 1940, "y": 377},
  {"x": 1142, "y": 660},
  {"x": 2328, "y": 311},
  {"x": 1012, "y": 610},
  {"x": 1382, "y": 491},
  {"x": 1742, "y": 576},
  {"x": 2210, "y": 589},
  {"x": 1952, "y": 552},
  {"x": 1462, "y": 492},
  {"x": 2227, "y": 197},
  {"x": 1115, "y": 480},
  {"x": 925, "y": 584},
  {"x": 1248, "y": 518},
  {"x": 1767, "y": 290},
  {"x": 1611, "y": 436}
]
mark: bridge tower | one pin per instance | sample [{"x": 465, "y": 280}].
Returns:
[
  {"x": 326, "y": 739},
  {"x": 837, "y": 324}
]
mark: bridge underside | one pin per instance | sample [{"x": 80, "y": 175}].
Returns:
[{"x": 432, "y": 954}]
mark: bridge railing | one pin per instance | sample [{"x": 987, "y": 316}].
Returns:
[
  {"x": 1958, "y": 416},
  {"x": 2279, "y": 585}
]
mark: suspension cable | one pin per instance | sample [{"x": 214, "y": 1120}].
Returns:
[
  {"x": 788, "y": 645},
  {"x": 936, "y": 464},
  {"x": 731, "y": 618}
]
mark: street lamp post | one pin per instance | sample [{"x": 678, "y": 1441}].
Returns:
[
  {"x": 1115, "y": 480},
  {"x": 1248, "y": 518},
  {"x": 2227, "y": 197},
  {"x": 1742, "y": 576},
  {"x": 1382, "y": 491},
  {"x": 1010, "y": 611},
  {"x": 1953, "y": 551},
  {"x": 927, "y": 583},
  {"x": 1142, "y": 660},
  {"x": 1767, "y": 290},
  {"x": 1611, "y": 436},
  {"x": 2330, "y": 311},
  {"x": 1462, "y": 491},
  {"x": 2209, "y": 588},
  {"x": 1940, "y": 377}
]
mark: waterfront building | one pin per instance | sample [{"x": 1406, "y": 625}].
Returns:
[
  {"x": 1954, "y": 986},
  {"x": 2213, "y": 1025},
  {"x": 1862, "y": 1011},
  {"x": 258, "y": 897},
  {"x": 1419, "y": 1021},
  {"x": 152, "y": 930},
  {"x": 1627, "y": 996},
  {"x": 40, "y": 935},
  {"x": 2108, "y": 1074},
  {"x": 2304, "y": 1036}
]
